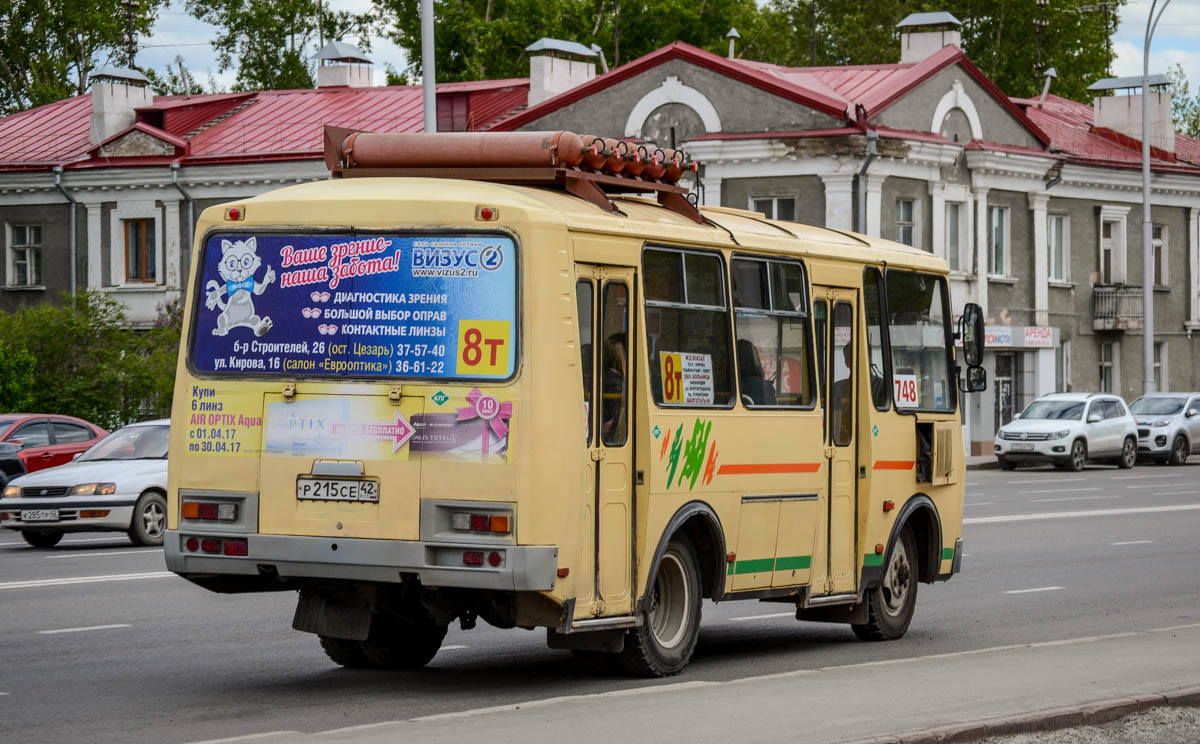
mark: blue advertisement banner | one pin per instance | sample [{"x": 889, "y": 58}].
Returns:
[{"x": 355, "y": 306}]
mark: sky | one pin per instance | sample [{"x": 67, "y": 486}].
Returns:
[{"x": 1176, "y": 41}]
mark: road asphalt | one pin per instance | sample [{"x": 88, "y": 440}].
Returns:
[{"x": 1076, "y": 588}]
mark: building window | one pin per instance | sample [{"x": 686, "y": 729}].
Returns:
[
  {"x": 954, "y": 224},
  {"x": 775, "y": 207},
  {"x": 1057, "y": 235},
  {"x": 1062, "y": 367},
  {"x": 25, "y": 256},
  {"x": 998, "y": 227},
  {"x": 904, "y": 221},
  {"x": 1160, "y": 366},
  {"x": 1158, "y": 239},
  {"x": 1106, "y": 368},
  {"x": 139, "y": 251},
  {"x": 1112, "y": 244}
]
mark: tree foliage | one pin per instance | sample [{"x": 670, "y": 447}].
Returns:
[
  {"x": 481, "y": 39},
  {"x": 1185, "y": 108},
  {"x": 47, "y": 49},
  {"x": 270, "y": 42},
  {"x": 1001, "y": 38},
  {"x": 81, "y": 359}
]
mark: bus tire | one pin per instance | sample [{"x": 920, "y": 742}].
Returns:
[
  {"x": 395, "y": 644},
  {"x": 663, "y": 644},
  {"x": 344, "y": 653},
  {"x": 890, "y": 605}
]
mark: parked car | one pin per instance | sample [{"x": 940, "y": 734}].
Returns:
[
  {"x": 120, "y": 483},
  {"x": 1070, "y": 430},
  {"x": 11, "y": 464},
  {"x": 1168, "y": 426},
  {"x": 47, "y": 440}
]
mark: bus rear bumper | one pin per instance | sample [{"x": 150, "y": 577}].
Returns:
[{"x": 520, "y": 567}]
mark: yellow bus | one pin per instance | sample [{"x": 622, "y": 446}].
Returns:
[{"x": 417, "y": 394}]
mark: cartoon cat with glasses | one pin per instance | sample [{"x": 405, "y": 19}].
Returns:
[{"x": 239, "y": 261}]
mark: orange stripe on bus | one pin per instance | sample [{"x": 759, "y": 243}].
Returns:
[
  {"x": 768, "y": 468},
  {"x": 894, "y": 464}
]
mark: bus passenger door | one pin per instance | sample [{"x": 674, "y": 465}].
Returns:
[
  {"x": 604, "y": 297},
  {"x": 838, "y": 307}
]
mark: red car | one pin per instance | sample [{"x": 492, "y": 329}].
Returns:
[{"x": 47, "y": 440}]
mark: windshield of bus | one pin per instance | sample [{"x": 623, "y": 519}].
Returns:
[
  {"x": 145, "y": 442},
  {"x": 918, "y": 310},
  {"x": 1158, "y": 406},
  {"x": 356, "y": 306},
  {"x": 1054, "y": 409}
]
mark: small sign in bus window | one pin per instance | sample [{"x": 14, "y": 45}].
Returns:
[
  {"x": 357, "y": 306},
  {"x": 687, "y": 378}
]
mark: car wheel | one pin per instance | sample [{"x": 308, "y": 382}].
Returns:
[
  {"x": 1078, "y": 456},
  {"x": 149, "y": 520},
  {"x": 41, "y": 539},
  {"x": 397, "y": 644},
  {"x": 663, "y": 644},
  {"x": 1008, "y": 464},
  {"x": 1128, "y": 454},
  {"x": 1179, "y": 451},
  {"x": 890, "y": 605}
]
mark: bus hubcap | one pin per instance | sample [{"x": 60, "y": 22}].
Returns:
[
  {"x": 895, "y": 583},
  {"x": 669, "y": 606}
]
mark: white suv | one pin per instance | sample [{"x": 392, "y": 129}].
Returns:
[
  {"x": 1069, "y": 430},
  {"x": 1168, "y": 426}
]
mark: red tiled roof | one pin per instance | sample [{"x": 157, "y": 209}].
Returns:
[
  {"x": 831, "y": 105},
  {"x": 46, "y": 135}
]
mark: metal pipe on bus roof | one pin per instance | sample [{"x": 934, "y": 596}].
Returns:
[{"x": 461, "y": 150}]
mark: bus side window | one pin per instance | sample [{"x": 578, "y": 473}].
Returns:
[
  {"x": 771, "y": 321},
  {"x": 585, "y": 302},
  {"x": 919, "y": 339},
  {"x": 687, "y": 328},
  {"x": 820, "y": 319},
  {"x": 614, "y": 389},
  {"x": 873, "y": 305}
]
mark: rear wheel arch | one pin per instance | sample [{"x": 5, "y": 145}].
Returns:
[
  {"x": 921, "y": 515},
  {"x": 697, "y": 521}
]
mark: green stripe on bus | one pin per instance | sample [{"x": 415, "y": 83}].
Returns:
[
  {"x": 873, "y": 559},
  {"x": 947, "y": 554},
  {"x": 759, "y": 565},
  {"x": 792, "y": 563}
]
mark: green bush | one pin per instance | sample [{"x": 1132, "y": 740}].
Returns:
[{"x": 80, "y": 358}]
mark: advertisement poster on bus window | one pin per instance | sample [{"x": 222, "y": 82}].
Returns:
[{"x": 357, "y": 306}]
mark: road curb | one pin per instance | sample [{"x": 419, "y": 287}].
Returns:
[
  {"x": 1052, "y": 719},
  {"x": 989, "y": 464}
]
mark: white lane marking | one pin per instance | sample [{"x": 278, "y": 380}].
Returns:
[
  {"x": 556, "y": 700},
  {"x": 1073, "y": 515},
  {"x": 981, "y": 503},
  {"x": 1060, "y": 490},
  {"x": 104, "y": 555},
  {"x": 1133, "y": 542},
  {"x": 1074, "y": 498},
  {"x": 84, "y": 580},
  {"x": 22, "y": 544},
  {"x": 1143, "y": 477},
  {"x": 1146, "y": 485},
  {"x": 452, "y": 648},
  {"x": 82, "y": 630},
  {"x": 248, "y": 737},
  {"x": 1036, "y": 589},
  {"x": 1047, "y": 480},
  {"x": 3, "y": 694},
  {"x": 762, "y": 617},
  {"x": 1177, "y": 493}
]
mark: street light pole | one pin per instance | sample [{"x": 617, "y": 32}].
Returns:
[
  {"x": 1148, "y": 382},
  {"x": 427, "y": 71}
]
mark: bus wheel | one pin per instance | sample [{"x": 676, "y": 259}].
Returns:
[
  {"x": 890, "y": 605},
  {"x": 395, "y": 644},
  {"x": 344, "y": 652},
  {"x": 664, "y": 642}
]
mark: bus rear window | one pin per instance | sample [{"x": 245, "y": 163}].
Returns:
[{"x": 356, "y": 306}]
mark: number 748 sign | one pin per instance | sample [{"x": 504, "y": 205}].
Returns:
[{"x": 905, "y": 391}]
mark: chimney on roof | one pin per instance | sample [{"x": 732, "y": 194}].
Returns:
[
  {"x": 1123, "y": 113},
  {"x": 116, "y": 93},
  {"x": 924, "y": 34},
  {"x": 342, "y": 65},
  {"x": 556, "y": 66}
]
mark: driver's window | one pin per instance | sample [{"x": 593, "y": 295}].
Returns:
[{"x": 33, "y": 435}]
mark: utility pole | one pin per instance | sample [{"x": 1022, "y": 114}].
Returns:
[
  {"x": 812, "y": 16},
  {"x": 1041, "y": 24}
]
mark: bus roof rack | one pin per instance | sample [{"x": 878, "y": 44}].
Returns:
[{"x": 587, "y": 166}]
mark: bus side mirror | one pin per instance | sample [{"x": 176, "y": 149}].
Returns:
[
  {"x": 975, "y": 381},
  {"x": 971, "y": 332}
]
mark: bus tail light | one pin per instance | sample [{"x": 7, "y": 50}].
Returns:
[
  {"x": 235, "y": 547},
  {"x": 210, "y": 511},
  {"x": 210, "y": 545},
  {"x": 217, "y": 546},
  {"x": 472, "y": 558},
  {"x": 495, "y": 558},
  {"x": 467, "y": 522}
]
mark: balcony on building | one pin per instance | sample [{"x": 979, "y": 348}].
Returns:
[{"x": 1116, "y": 307}]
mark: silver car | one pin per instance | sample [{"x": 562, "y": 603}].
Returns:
[{"x": 1168, "y": 426}]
